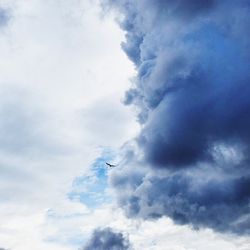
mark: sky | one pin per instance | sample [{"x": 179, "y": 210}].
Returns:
[{"x": 159, "y": 88}]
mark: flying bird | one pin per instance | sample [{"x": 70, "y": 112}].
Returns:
[{"x": 110, "y": 165}]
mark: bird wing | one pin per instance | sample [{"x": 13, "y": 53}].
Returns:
[{"x": 111, "y": 165}]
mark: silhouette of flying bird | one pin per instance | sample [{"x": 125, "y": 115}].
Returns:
[{"x": 110, "y": 165}]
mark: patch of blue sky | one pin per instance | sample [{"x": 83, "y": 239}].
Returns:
[{"x": 91, "y": 189}]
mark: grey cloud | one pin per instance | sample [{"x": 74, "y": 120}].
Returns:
[
  {"x": 4, "y": 17},
  {"x": 103, "y": 239},
  {"x": 221, "y": 204},
  {"x": 23, "y": 124},
  {"x": 193, "y": 96}
]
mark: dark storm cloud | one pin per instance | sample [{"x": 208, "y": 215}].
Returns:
[
  {"x": 217, "y": 204},
  {"x": 193, "y": 95},
  {"x": 103, "y": 239}
]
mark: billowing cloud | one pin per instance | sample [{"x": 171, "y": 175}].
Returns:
[
  {"x": 103, "y": 239},
  {"x": 192, "y": 90}
]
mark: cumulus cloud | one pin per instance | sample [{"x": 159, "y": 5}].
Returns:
[
  {"x": 103, "y": 239},
  {"x": 192, "y": 92}
]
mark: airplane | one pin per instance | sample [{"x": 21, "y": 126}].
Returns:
[{"x": 110, "y": 165}]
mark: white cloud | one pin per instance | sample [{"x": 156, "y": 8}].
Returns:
[
  {"x": 156, "y": 235},
  {"x": 59, "y": 61}
]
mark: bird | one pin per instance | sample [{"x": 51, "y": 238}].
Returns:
[{"x": 110, "y": 165}]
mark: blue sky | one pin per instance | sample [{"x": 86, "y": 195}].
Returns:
[
  {"x": 91, "y": 189},
  {"x": 67, "y": 70}
]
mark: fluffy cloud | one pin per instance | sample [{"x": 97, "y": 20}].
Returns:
[
  {"x": 103, "y": 239},
  {"x": 191, "y": 159}
]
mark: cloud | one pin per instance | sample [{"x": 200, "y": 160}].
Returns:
[
  {"x": 4, "y": 17},
  {"x": 191, "y": 160},
  {"x": 44, "y": 97},
  {"x": 103, "y": 239}
]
